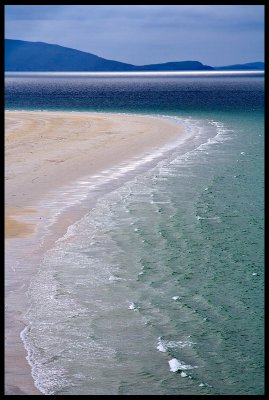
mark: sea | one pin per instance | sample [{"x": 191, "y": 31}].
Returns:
[{"x": 159, "y": 288}]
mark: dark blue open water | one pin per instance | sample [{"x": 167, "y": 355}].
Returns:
[{"x": 159, "y": 288}]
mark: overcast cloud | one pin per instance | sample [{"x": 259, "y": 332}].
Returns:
[{"x": 143, "y": 34}]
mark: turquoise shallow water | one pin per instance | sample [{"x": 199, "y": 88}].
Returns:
[{"x": 166, "y": 271}]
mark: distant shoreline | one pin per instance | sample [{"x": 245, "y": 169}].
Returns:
[
  {"x": 35, "y": 56},
  {"x": 140, "y": 73}
]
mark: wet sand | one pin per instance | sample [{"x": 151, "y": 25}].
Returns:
[{"x": 45, "y": 151}]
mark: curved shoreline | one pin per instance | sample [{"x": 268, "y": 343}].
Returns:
[{"x": 57, "y": 149}]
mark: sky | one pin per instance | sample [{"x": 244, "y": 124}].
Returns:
[{"x": 215, "y": 35}]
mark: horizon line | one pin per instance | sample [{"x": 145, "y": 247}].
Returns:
[{"x": 130, "y": 73}]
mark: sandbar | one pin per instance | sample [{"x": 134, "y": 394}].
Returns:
[{"x": 45, "y": 151}]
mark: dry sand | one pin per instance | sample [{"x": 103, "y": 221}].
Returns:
[{"x": 43, "y": 152}]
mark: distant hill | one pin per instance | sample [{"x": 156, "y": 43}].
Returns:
[
  {"x": 176, "y": 66},
  {"x": 248, "y": 66},
  {"x": 37, "y": 56},
  {"x": 24, "y": 56}
]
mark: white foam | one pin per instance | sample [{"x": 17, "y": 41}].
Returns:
[
  {"x": 161, "y": 347},
  {"x": 175, "y": 297},
  {"x": 177, "y": 365},
  {"x": 46, "y": 379},
  {"x": 202, "y": 384},
  {"x": 132, "y": 306},
  {"x": 165, "y": 345},
  {"x": 213, "y": 218},
  {"x": 222, "y": 134},
  {"x": 115, "y": 278}
]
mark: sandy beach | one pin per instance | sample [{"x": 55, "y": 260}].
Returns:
[{"x": 44, "y": 153}]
